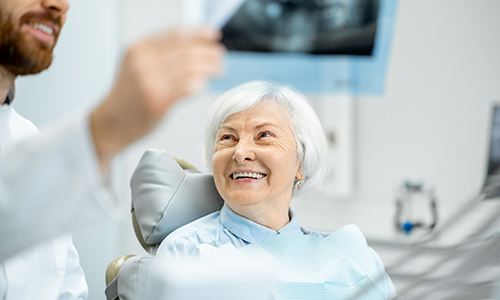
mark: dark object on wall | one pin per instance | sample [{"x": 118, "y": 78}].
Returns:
[
  {"x": 338, "y": 27},
  {"x": 416, "y": 207},
  {"x": 491, "y": 186}
]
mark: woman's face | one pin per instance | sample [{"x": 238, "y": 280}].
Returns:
[{"x": 255, "y": 159}]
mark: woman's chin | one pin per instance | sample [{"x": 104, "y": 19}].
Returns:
[{"x": 242, "y": 199}]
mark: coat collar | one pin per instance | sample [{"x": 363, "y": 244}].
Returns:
[{"x": 10, "y": 95}]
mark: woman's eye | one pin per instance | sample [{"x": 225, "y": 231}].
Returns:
[
  {"x": 226, "y": 137},
  {"x": 265, "y": 134}
]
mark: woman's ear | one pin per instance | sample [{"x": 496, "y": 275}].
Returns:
[
  {"x": 299, "y": 180},
  {"x": 299, "y": 175}
]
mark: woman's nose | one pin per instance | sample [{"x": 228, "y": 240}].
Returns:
[{"x": 243, "y": 152}]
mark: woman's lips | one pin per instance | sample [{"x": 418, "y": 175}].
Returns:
[{"x": 247, "y": 175}]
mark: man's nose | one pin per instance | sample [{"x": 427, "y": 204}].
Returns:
[
  {"x": 244, "y": 152},
  {"x": 60, "y": 6}
]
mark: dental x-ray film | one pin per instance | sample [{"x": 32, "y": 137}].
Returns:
[
  {"x": 333, "y": 27},
  {"x": 317, "y": 46}
]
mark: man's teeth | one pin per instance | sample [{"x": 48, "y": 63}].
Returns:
[
  {"x": 248, "y": 175},
  {"x": 43, "y": 27}
]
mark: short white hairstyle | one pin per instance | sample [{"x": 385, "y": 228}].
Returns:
[{"x": 309, "y": 135}]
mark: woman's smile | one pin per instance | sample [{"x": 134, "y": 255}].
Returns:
[{"x": 247, "y": 176}]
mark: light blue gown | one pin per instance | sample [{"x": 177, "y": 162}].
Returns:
[{"x": 338, "y": 265}]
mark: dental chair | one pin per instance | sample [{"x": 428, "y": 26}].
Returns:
[{"x": 166, "y": 194}]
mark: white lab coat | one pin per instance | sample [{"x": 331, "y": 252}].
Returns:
[
  {"x": 50, "y": 184},
  {"x": 49, "y": 270}
]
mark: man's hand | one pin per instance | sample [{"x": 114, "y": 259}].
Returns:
[{"x": 155, "y": 74}]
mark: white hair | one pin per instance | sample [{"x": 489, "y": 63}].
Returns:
[{"x": 309, "y": 135}]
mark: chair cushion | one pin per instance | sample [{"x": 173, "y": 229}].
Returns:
[
  {"x": 166, "y": 197},
  {"x": 131, "y": 282}
]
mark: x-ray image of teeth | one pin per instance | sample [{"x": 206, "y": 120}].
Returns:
[{"x": 308, "y": 26}]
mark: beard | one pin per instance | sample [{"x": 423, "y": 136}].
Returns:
[{"x": 19, "y": 53}]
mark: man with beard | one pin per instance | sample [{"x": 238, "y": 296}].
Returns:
[{"x": 56, "y": 181}]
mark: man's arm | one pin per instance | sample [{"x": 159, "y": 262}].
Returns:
[
  {"x": 73, "y": 286},
  {"x": 156, "y": 73},
  {"x": 53, "y": 183}
]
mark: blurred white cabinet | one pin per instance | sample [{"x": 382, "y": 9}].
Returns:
[{"x": 337, "y": 116}]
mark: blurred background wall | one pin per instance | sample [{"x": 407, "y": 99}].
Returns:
[{"x": 430, "y": 125}]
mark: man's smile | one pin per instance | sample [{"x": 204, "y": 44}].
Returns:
[{"x": 42, "y": 30}]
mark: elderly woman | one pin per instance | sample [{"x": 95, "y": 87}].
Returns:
[{"x": 264, "y": 145}]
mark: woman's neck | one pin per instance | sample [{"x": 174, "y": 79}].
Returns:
[{"x": 272, "y": 217}]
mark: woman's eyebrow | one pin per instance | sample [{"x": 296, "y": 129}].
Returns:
[
  {"x": 266, "y": 124},
  {"x": 258, "y": 126},
  {"x": 226, "y": 127}
]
